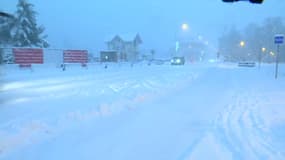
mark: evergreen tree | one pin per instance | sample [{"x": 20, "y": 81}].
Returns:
[
  {"x": 27, "y": 32},
  {"x": 229, "y": 45},
  {"x": 6, "y": 27},
  {"x": 1, "y": 56},
  {"x": 256, "y": 37}
]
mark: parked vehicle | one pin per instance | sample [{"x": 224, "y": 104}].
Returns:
[{"x": 178, "y": 61}]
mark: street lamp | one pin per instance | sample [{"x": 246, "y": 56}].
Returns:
[
  {"x": 263, "y": 49},
  {"x": 184, "y": 26},
  {"x": 242, "y": 43}
]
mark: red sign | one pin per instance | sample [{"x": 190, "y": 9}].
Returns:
[
  {"x": 28, "y": 56},
  {"x": 75, "y": 56}
]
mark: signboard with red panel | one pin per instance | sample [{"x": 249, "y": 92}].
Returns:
[
  {"x": 28, "y": 55},
  {"x": 75, "y": 56}
]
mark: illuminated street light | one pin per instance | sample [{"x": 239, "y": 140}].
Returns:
[
  {"x": 263, "y": 49},
  {"x": 242, "y": 43},
  {"x": 185, "y": 27}
]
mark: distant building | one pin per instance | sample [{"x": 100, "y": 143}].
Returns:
[
  {"x": 109, "y": 56},
  {"x": 126, "y": 46}
]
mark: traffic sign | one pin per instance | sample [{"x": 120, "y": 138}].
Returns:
[{"x": 279, "y": 39}]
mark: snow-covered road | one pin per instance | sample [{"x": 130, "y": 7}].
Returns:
[{"x": 145, "y": 112}]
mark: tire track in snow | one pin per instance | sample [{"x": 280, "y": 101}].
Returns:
[
  {"x": 242, "y": 131},
  {"x": 25, "y": 91},
  {"x": 136, "y": 88}
]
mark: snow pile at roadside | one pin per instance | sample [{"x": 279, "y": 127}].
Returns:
[{"x": 40, "y": 104}]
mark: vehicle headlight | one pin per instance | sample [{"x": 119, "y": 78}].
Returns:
[{"x": 178, "y": 61}]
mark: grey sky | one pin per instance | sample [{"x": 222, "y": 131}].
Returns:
[{"x": 86, "y": 23}]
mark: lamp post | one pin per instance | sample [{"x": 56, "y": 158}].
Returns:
[
  {"x": 184, "y": 28},
  {"x": 263, "y": 49},
  {"x": 242, "y": 43}
]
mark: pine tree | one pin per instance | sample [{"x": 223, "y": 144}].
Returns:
[
  {"x": 27, "y": 32},
  {"x": 6, "y": 27}
]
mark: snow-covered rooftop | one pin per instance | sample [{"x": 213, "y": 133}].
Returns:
[{"x": 124, "y": 37}]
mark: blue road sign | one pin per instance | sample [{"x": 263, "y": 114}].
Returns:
[{"x": 279, "y": 39}]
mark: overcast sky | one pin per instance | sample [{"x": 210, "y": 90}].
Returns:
[{"x": 86, "y": 23}]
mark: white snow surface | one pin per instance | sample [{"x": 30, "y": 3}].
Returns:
[{"x": 196, "y": 111}]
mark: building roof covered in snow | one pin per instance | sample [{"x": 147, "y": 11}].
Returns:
[{"x": 129, "y": 37}]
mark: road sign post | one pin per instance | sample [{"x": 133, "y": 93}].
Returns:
[
  {"x": 277, "y": 62},
  {"x": 279, "y": 39}
]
